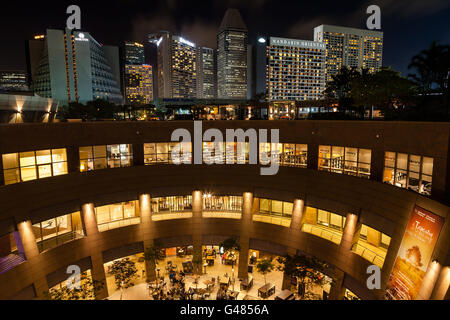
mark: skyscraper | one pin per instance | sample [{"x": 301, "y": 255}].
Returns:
[
  {"x": 133, "y": 53},
  {"x": 71, "y": 66},
  {"x": 137, "y": 76},
  {"x": 206, "y": 88},
  {"x": 177, "y": 66},
  {"x": 350, "y": 47},
  {"x": 232, "y": 41},
  {"x": 295, "y": 69}
]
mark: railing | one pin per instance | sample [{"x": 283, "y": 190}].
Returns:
[
  {"x": 368, "y": 254},
  {"x": 222, "y": 214},
  {"x": 171, "y": 215},
  {"x": 57, "y": 240},
  {"x": 321, "y": 232},
  {"x": 279, "y": 220},
  {"x": 118, "y": 224}
]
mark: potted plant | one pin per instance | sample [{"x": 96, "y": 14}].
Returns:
[
  {"x": 265, "y": 266},
  {"x": 152, "y": 255}
]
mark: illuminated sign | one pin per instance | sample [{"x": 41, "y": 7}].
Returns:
[
  {"x": 81, "y": 37},
  {"x": 182, "y": 40},
  {"x": 296, "y": 43}
]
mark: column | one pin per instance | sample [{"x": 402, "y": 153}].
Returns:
[
  {"x": 2, "y": 180},
  {"x": 297, "y": 214},
  {"x": 73, "y": 159},
  {"x": 31, "y": 251},
  {"x": 93, "y": 238},
  {"x": 351, "y": 232},
  {"x": 442, "y": 284},
  {"x": 313, "y": 156},
  {"x": 286, "y": 284},
  {"x": 244, "y": 237},
  {"x": 377, "y": 165},
  {"x": 138, "y": 154},
  {"x": 197, "y": 209},
  {"x": 147, "y": 227},
  {"x": 337, "y": 290},
  {"x": 429, "y": 280}
]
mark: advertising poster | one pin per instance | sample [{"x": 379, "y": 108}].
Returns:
[{"x": 414, "y": 255}]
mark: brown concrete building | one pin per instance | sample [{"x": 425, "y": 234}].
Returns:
[{"x": 69, "y": 172}]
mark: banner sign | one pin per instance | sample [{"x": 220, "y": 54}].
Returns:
[{"x": 414, "y": 255}]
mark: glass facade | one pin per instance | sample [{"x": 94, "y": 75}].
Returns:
[
  {"x": 351, "y": 161},
  {"x": 53, "y": 232},
  {"x": 105, "y": 156},
  {"x": 161, "y": 152},
  {"x": 31, "y": 165},
  {"x": 324, "y": 224},
  {"x": 222, "y": 206},
  {"x": 117, "y": 215},
  {"x": 289, "y": 154},
  {"x": 408, "y": 171},
  {"x": 372, "y": 245},
  {"x": 273, "y": 211},
  {"x": 174, "y": 207}
]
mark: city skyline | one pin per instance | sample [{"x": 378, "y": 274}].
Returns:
[{"x": 411, "y": 28}]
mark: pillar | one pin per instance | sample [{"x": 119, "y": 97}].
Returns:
[
  {"x": 337, "y": 289},
  {"x": 377, "y": 165},
  {"x": 31, "y": 252},
  {"x": 138, "y": 154},
  {"x": 297, "y": 214},
  {"x": 351, "y": 232},
  {"x": 147, "y": 228},
  {"x": 442, "y": 284},
  {"x": 93, "y": 236},
  {"x": 73, "y": 159},
  {"x": 244, "y": 236},
  {"x": 313, "y": 156},
  {"x": 197, "y": 209},
  {"x": 429, "y": 280}
]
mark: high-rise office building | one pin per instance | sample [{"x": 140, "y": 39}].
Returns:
[
  {"x": 137, "y": 77},
  {"x": 177, "y": 66},
  {"x": 295, "y": 69},
  {"x": 206, "y": 88},
  {"x": 138, "y": 84},
  {"x": 133, "y": 53},
  {"x": 350, "y": 47},
  {"x": 232, "y": 70},
  {"x": 71, "y": 66},
  {"x": 13, "y": 81}
]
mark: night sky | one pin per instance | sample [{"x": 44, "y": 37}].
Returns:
[{"x": 409, "y": 25}]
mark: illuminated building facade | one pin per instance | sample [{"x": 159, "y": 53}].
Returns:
[
  {"x": 206, "y": 88},
  {"x": 73, "y": 67},
  {"x": 134, "y": 53},
  {"x": 138, "y": 84},
  {"x": 295, "y": 69},
  {"x": 350, "y": 47},
  {"x": 13, "y": 81},
  {"x": 177, "y": 66},
  {"x": 232, "y": 39}
]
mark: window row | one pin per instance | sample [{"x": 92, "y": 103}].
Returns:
[
  {"x": 31, "y": 165},
  {"x": 351, "y": 161},
  {"x": 105, "y": 156}
]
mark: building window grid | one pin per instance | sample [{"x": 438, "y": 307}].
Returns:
[
  {"x": 117, "y": 215},
  {"x": 335, "y": 160},
  {"x": 222, "y": 203},
  {"x": 171, "y": 204},
  {"x": 105, "y": 156}
]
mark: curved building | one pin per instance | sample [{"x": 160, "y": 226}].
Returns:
[{"x": 88, "y": 193}]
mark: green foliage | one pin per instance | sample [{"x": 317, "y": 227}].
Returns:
[
  {"x": 231, "y": 244},
  {"x": 124, "y": 272},
  {"x": 264, "y": 267},
  {"x": 153, "y": 253},
  {"x": 303, "y": 267},
  {"x": 92, "y": 110},
  {"x": 86, "y": 291}
]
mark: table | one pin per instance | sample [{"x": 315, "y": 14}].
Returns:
[
  {"x": 266, "y": 290},
  {"x": 285, "y": 295},
  {"x": 246, "y": 284},
  {"x": 225, "y": 281},
  {"x": 247, "y": 297},
  {"x": 208, "y": 283}
]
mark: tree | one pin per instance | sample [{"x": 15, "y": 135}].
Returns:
[
  {"x": 304, "y": 268},
  {"x": 103, "y": 109},
  {"x": 124, "y": 272},
  {"x": 86, "y": 291},
  {"x": 152, "y": 255},
  {"x": 264, "y": 267},
  {"x": 340, "y": 85}
]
